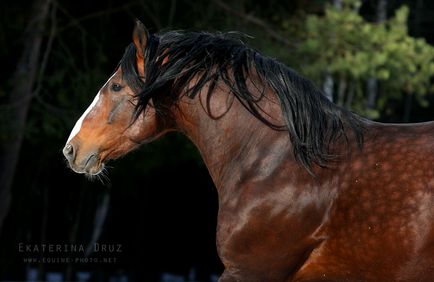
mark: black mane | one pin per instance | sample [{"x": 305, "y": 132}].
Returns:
[{"x": 312, "y": 121}]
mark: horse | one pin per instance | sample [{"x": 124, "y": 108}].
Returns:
[{"x": 307, "y": 190}]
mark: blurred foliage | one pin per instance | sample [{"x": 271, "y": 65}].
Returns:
[{"x": 354, "y": 50}]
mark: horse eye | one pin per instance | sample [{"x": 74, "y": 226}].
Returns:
[{"x": 116, "y": 87}]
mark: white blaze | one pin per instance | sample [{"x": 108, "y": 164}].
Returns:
[{"x": 77, "y": 125}]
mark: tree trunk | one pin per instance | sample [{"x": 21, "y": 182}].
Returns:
[
  {"x": 381, "y": 11},
  {"x": 99, "y": 221},
  {"x": 350, "y": 96},
  {"x": 408, "y": 104},
  {"x": 342, "y": 88},
  {"x": 19, "y": 100},
  {"x": 328, "y": 85},
  {"x": 372, "y": 90},
  {"x": 372, "y": 83},
  {"x": 337, "y": 4}
]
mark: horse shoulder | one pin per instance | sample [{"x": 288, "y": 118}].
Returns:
[{"x": 268, "y": 228}]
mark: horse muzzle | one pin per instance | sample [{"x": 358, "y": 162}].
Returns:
[{"x": 82, "y": 162}]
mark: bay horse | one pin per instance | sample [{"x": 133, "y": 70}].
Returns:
[{"x": 307, "y": 191}]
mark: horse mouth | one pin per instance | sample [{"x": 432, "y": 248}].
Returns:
[{"x": 92, "y": 166}]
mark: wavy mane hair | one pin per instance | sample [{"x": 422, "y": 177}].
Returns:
[{"x": 312, "y": 121}]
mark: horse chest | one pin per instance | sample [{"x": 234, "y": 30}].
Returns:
[{"x": 265, "y": 239}]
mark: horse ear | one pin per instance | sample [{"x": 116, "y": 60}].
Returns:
[{"x": 140, "y": 39}]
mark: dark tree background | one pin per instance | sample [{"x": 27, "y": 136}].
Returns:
[{"x": 159, "y": 203}]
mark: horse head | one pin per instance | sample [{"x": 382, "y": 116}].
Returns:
[{"x": 111, "y": 126}]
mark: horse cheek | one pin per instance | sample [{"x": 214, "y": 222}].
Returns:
[{"x": 145, "y": 127}]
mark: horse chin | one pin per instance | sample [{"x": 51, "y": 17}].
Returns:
[{"x": 96, "y": 170}]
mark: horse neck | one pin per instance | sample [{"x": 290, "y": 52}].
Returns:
[{"x": 230, "y": 139}]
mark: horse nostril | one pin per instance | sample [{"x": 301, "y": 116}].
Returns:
[{"x": 68, "y": 151}]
